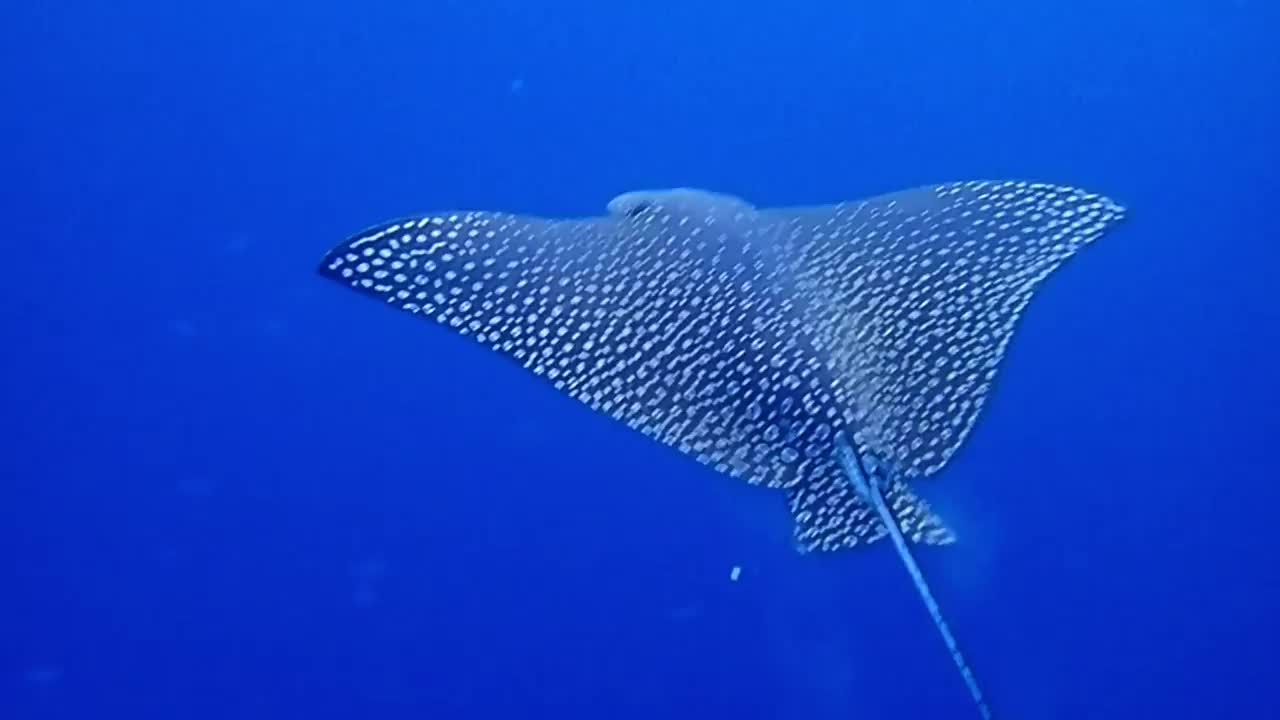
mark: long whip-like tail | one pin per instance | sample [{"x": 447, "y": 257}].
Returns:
[{"x": 869, "y": 490}]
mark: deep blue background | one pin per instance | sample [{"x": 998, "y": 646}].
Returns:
[{"x": 232, "y": 489}]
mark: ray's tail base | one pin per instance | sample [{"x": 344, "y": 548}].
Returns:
[{"x": 866, "y": 484}]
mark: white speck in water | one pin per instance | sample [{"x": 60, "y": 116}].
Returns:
[{"x": 735, "y": 573}]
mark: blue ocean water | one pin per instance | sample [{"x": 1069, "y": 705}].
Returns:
[{"x": 232, "y": 489}]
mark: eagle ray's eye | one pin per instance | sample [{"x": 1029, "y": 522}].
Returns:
[{"x": 639, "y": 209}]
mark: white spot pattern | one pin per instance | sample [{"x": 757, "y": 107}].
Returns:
[{"x": 747, "y": 338}]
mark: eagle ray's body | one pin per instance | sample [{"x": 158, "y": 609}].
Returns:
[{"x": 751, "y": 339}]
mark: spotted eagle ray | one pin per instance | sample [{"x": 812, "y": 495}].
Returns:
[{"x": 832, "y": 352}]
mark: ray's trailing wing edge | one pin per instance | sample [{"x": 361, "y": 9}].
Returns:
[{"x": 746, "y": 337}]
